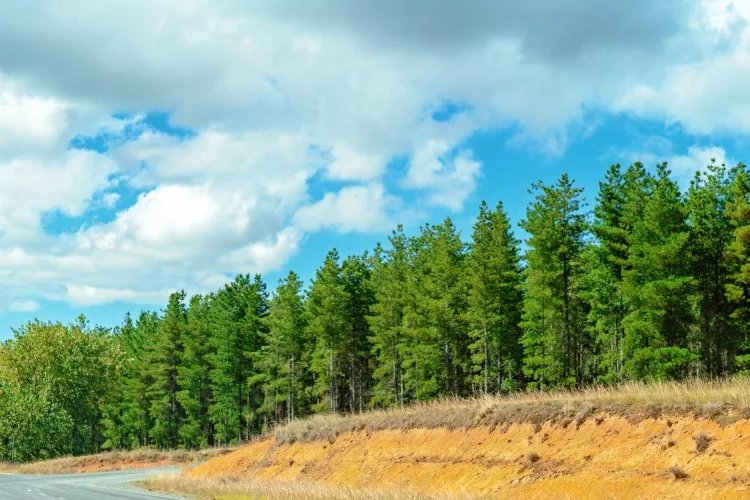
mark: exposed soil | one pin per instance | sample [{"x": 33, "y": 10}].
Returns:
[
  {"x": 101, "y": 465},
  {"x": 605, "y": 456}
]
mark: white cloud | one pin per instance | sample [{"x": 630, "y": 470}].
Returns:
[
  {"x": 353, "y": 208},
  {"x": 23, "y": 306},
  {"x": 706, "y": 95},
  {"x": 27, "y": 122},
  {"x": 697, "y": 158},
  {"x": 279, "y": 91},
  {"x": 348, "y": 164},
  {"x": 682, "y": 165},
  {"x": 448, "y": 177},
  {"x": 109, "y": 200}
]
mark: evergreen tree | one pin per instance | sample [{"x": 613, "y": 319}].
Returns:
[
  {"x": 390, "y": 275},
  {"x": 620, "y": 204},
  {"x": 495, "y": 302},
  {"x": 738, "y": 262},
  {"x": 356, "y": 275},
  {"x": 437, "y": 357},
  {"x": 282, "y": 361},
  {"x": 194, "y": 395},
  {"x": 554, "y": 339},
  {"x": 236, "y": 331},
  {"x": 710, "y": 236},
  {"x": 165, "y": 410},
  {"x": 658, "y": 287},
  {"x": 327, "y": 320}
]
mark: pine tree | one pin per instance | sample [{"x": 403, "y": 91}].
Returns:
[
  {"x": 738, "y": 262},
  {"x": 391, "y": 271},
  {"x": 328, "y": 321},
  {"x": 236, "y": 330},
  {"x": 620, "y": 204},
  {"x": 194, "y": 395},
  {"x": 165, "y": 409},
  {"x": 553, "y": 320},
  {"x": 282, "y": 363},
  {"x": 356, "y": 275},
  {"x": 495, "y": 302},
  {"x": 658, "y": 287},
  {"x": 710, "y": 236},
  {"x": 437, "y": 357}
]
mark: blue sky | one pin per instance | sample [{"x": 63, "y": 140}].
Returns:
[{"x": 233, "y": 139}]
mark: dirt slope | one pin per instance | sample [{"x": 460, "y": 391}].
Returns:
[{"x": 607, "y": 456}]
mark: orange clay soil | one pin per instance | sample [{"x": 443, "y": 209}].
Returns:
[
  {"x": 101, "y": 465},
  {"x": 606, "y": 457}
]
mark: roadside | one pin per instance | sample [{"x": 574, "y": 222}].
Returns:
[{"x": 115, "y": 461}]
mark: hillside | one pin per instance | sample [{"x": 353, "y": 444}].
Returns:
[{"x": 647, "y": 441}]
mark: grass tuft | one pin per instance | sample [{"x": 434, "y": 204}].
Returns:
[
  {"x": 678, "y": 472},
  {"x": 702, "y": 442}
]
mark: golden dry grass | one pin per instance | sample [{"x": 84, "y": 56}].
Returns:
[
  {"x": 116, "y": 460},
  {"x": 721, "y": 399},
  {"x": 234, "y": 489}
]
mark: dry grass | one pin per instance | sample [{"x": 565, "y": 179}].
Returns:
[
  {"x": 678, "y": 472},
  {"x": 235, "y": 489},
  {"x": 719, "y": 400},
  {"x": 702, "y": 442},
  {"x": 116, "y": 460}
]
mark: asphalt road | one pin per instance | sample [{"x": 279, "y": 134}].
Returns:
[{"x": 100, "y": 486}]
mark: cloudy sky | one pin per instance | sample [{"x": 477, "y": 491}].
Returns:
[{"x": 151, "y": 145}]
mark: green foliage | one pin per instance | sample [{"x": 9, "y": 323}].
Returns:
[
  {"x": 656, "y": 287},
  {"x": 495, "y": 302},
  {"x": 554, "y": 337}
]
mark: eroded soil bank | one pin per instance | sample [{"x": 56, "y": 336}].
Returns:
[{"x": 605, "y": 457}]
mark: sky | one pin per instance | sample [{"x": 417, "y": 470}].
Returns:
[{"x": 148, "y": 146}]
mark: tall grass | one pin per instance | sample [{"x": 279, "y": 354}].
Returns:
[
  {"x": 718, "y": 399},
  {"x": 115, "y": 460},
  {"x": 234, "y": 489}
]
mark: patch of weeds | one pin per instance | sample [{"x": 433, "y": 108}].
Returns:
[
  {"x": 678, "y": 472},
  {"x": 532, "y": 458},
  {"x": 702, "y": 442}
]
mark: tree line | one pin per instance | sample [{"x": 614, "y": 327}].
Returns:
[{"x": 651, "y": 283}]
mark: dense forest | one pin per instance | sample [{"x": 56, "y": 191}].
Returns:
[{"x": 649, "y": 283}]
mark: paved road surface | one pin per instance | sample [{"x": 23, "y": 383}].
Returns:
[{"x": 100, "y": 486}]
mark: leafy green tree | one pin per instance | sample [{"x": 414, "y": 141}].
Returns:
[
  {"x": 554, "y": 338},
  {"x": 52, "y": 381},
  {"x": 495, "y": 302}
]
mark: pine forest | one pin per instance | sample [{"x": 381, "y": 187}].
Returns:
[{"x": 642, "y": 281}]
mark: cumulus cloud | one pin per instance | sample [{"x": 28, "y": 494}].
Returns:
[
  {"x": 353, "y": 208},
  {"x": 279, "y": 93},
  {"x": 448, "y": 177}
]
